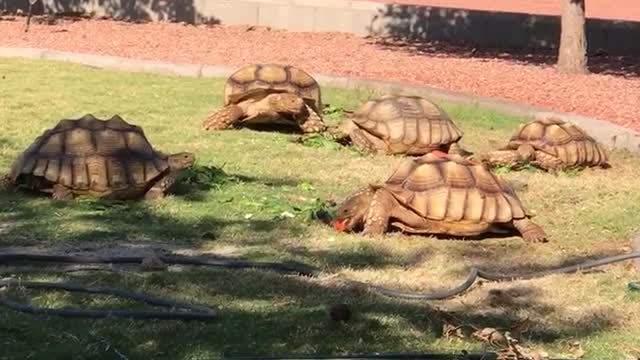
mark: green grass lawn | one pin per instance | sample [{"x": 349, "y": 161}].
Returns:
[{"x": 587, "y": 214}]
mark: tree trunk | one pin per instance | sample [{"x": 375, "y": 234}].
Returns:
[{"x": 572, "y": 57}]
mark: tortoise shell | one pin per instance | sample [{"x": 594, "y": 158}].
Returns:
[
  {"x": 90, "y": 155},
  {"x": 566, "y": 141},
  {"x": 410, "y": 120},
  {"x": 265, "y": 78},
  {"x": 451, "y": 188}
]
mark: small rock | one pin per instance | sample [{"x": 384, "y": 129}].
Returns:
[
  {"x": 209, "y": 235},
  {"x": 286, "y": 214},
  {"x": 340, "y": 312},
  {"x": 152, "y": 262}
]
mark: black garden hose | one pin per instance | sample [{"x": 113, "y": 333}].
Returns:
[
  {"x": 286, "y": 267},
  {"x": 476, "y": 273},
  {"x": 395, "y": 356},
  {"x": 399, "y": 356},
  {"x": 206, "y": 313},
  {"x": 193, "y": 312}
]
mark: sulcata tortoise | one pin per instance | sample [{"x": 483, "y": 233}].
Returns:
[
  {"x": 396, "y": 124},
  {"x": 551, "y": 144},
  {"x": 439, "y": 193},
  {"x": 109, "y": 159},
  {"x": 269, "y": 94}
]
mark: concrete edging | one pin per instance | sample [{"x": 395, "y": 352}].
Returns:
[{"x": 611, "y": 135}]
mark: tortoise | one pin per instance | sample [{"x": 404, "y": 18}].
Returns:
[
  {"x": 440, "y": 194},
  {"x": 550, "y": 143},
  {"x": 108, "y": 159},
  {"x": 397, "y": 124},
  {"x": 269, "y": 94}
]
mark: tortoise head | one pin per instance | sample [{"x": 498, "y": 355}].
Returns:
[
  {"x": 181, "y": 160},
  {"x": 341, "y": 132},
  {"x": 526, "y": 152},
  {"x": 351, "y": 215},
  {"x": 286, "y": 103}
]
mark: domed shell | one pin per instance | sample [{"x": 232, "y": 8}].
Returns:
[
  {"x": 91, "y": 154},
  {"x": 564, "y": 140},
  {"x": 258, "y": 78},
  {"x": 410, "y": 120},
  {"x": 450, "y": 188}
]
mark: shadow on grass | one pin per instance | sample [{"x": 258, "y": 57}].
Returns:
[
  {"x": 362, "y": 256},
  {"x": 516, "y": 265},
  {"x": 263, "y": 313},
  {"x": 27, "y": 219}
]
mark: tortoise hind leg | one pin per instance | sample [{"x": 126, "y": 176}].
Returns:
[
  {"x": 162, "y": 187},
  {"x": 530, "y": 231},
  {"x": 310, "y": 121},
  {"x": 61, "y": 192},
  {"x": 224, "y": 118}
]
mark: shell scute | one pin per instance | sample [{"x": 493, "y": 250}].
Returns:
[
  {"x": 454, "y": 189},
  {"x": 260, "y": 79},
  {"x": 411, "y": 121},
  {"x": 563, "y": 140},
  {"x": 91, "y": 154}
]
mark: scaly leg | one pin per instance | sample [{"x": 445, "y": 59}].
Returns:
[
  {"x": 456, "y": 149},
  {"x": 61, "y": 193},
  {"x": 380, "y": 210},
  {"x": 548, "y": 162},
  {"x": 225, "y": 118},
  {"x": 163, "y": 187},
  {"x": 6, "y": 183},
  {"x": 530, "y": 231},
  {"x": 504, "y": 158},
  {"x": 367, "y": 142},
  {"x": 310, "y": 121}
]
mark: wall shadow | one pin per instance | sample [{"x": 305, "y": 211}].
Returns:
[
  {"x": 448, "y": 32},
  {"x": 123, "y": 10}
]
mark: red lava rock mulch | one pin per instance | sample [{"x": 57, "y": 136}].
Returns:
[{"x": 607, "y": 97}]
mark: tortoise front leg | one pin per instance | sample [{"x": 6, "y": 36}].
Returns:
[
  {"x": 366, "y": 141},
  {"x": 225, "y": 118},
  {"x": 61, "y": 192},
  {"x": 530, "y": 231},
  {"x": 456, "y": 149},
  {"x": 6, "y": 183},
  {"x": 162, "y": 187},
  {"x": 380, "y": 209},
  {"x": 548, "y": 161},
  {"x": 504, "y": 158},
  {"x": 310, "y": 121}
]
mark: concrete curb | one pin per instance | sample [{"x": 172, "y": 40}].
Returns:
[{"x": 611, "y": 135}]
